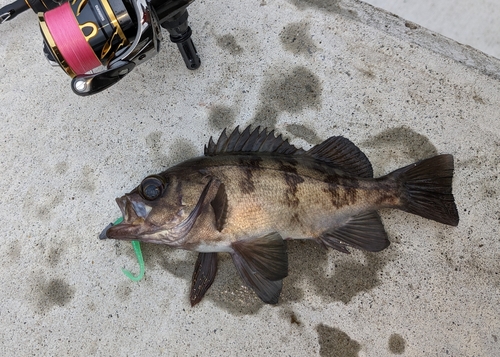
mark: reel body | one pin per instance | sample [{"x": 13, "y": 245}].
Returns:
[{"x": 98, "y": 42}]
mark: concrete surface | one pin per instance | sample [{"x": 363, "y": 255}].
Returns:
[
  {"x": 471, "y": 22},
  {"x": 311, "y": 71}
]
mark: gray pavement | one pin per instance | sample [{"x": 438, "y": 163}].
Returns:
[{"x": 309, "y": 69}]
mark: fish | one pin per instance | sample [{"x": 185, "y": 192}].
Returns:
[{"x": 252, "y": 191}]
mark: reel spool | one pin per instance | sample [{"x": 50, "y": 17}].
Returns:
[
  {"x": 98, "y": 42},
  {"x": 83, "y": 35}
]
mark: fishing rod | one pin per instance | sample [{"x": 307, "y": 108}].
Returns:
[{"x": 98, "y": 42}]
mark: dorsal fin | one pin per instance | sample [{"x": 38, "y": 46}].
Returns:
[
  {"x": 250, "y": 141},
  {"x": 343, "y": 154}
]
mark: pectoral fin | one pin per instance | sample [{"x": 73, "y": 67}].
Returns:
[
  {"x": 364, "y": 231},
  {"x": 219, "y": 205},
  {"x": 204, "y": 273},
  {"x": 262, "y": 264}
]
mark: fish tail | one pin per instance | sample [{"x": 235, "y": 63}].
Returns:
[{"x": 426, "y": 189}]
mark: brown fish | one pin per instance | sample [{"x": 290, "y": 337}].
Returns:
[{"x": 252, "y": 190}]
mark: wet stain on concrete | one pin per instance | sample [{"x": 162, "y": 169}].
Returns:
[
  {"x": 329, "y": 5},
  {"x": 153, "y": 140},
  {"x": 181, "y": 150},
  {"x": 229, "y": 43},
  {"x": 53, "y": 256},
  {"x": 333, "y": 6},
  {"x": 495, "y": 338},
  {"x": 88, "y": 179},
  {"x": 227, "y": 292},
  {"x": 61, "y": 167},
  {"x": 14, "y": 251},
  {"x": 304, "y": 132},
  {"x": 221, "y": 117},
  {"x": 351, "y": 274},
  {"x": 39, "y": 205},
  {"x": 367, "y": 72},
  {"x": 397, "y": 344},
  {"x": 266, "y": 117},
  {"x": 44, "y": 212},
  {"x": 156, "y": 147},
  {"x": 290, "y": 92},
  {"x": 478, "y": 99},
  {"x": 482, "y": 187},
  {"x": 487, "y": 184},
  {"x": 336, "y": 343},
  {"x": 230, "y": 293},
  {"x": 296, "y": 38},
  {"x": 55, "y": 292},
  {"x": 477, "y": 267},
  {"x": 405, "y": 141},
  {"x": 123, "y": 290}
]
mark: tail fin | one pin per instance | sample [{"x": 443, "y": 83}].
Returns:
[{"x": 427, "y": 189}]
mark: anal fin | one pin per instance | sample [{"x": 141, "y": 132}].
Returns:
[
  {"x": 364, "y": 231},
  {"x": 262, "y": 264},
  {"x": 204, "y": 273}
]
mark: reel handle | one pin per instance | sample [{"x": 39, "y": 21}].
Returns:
[
  {"x": 10, "y": 11},
  {"x": 85, "y": 85}
]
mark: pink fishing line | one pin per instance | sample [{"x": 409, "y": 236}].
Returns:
[{"x": 70, "y": 40}]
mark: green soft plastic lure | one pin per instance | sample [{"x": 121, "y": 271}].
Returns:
[{"x": 137, "y": 249}]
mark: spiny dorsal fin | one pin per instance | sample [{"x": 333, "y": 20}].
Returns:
[
  {"x": 343, "y": 154},
  {"x": 250, "y": 141}
]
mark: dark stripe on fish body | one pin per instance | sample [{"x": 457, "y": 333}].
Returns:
[
  {"x": 290, "y": 160},
  {"x": 341, "y": 195},
  {"x": 252, "y": 161},
  {"x": 385, "y": 198},
  {"x": 248, "y": 164},
  {"x": 332, "y": 179},
  {"x": 246, "y": 184},
  {"x": 292, "y": 180},
  {"x": 295, "y": 220},
  {"x": 288, "y": 169},
  {"x": 387, "y": 194},
  {"x": 350, "y": 195}
]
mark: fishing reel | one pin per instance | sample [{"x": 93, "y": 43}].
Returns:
[{"x": 98, "y": 42}]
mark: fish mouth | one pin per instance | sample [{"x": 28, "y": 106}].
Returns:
[{"x": 134, "y": 223}]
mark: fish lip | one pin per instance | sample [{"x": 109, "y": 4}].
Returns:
[
  {"x": 122, "y": 231},
  {"x": 122, "y": 204},
  {"x": 129, "y": 228},
  {"x": 104, "y": 233}
]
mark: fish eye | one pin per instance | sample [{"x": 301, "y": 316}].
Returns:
[{"x": 152, "y": 187}]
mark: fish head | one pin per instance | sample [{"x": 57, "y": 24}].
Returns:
[{"x": 159, "y": 210}]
